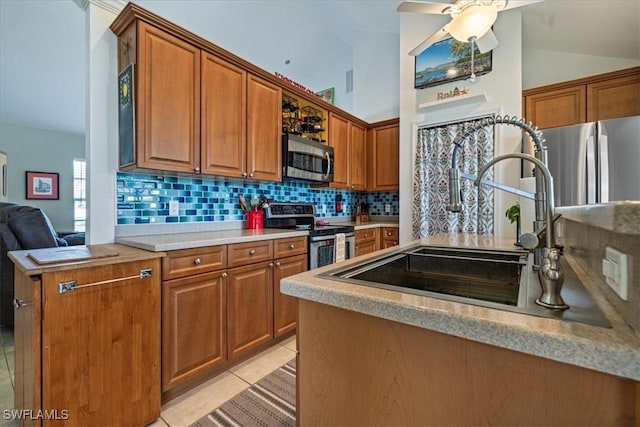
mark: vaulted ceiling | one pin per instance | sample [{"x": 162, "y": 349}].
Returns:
[{"x": 42, "y": 44}]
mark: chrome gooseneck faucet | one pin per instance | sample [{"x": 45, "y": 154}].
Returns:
[{"x": 550, "y": 272}]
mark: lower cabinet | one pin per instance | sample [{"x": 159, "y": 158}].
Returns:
[
  {"x": 250, "y": 307},
  {"x": 389, "y": 237},
  {"x": 222, "y": 303},
  {"x": 193, "y": 311},
  {"x": 285, "y": 307},
  {"x": 366, "y": 241}
]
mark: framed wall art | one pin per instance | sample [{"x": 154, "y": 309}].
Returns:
[
  {"x": 327, "y": 94},
  {"x": 449, "y": 60},
  {"x": 42, "y": 185}
]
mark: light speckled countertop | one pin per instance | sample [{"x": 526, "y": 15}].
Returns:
[
  {"x": 619, "y": 217},
  {"x": 614, "y": 350},
  {"x": 201, "y": 238}
]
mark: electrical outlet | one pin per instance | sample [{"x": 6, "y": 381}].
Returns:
[
  {"x": 387, "y": 208},
  {"x": 323, "y": 209},
  {"x": 173, "y": 207},
  {"x": 614, "y": 269}
]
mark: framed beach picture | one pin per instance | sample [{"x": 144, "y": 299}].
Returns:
[
  {"x": 42, "y": 185},
  {"x": 449, "y": 60}
]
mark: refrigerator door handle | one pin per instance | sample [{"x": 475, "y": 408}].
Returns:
[
  {"x": 603, "y": 164},
  {"x": 591, "y": 170}
]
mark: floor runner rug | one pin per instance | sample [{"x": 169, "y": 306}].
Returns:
[{"x": 271, "y": 402}]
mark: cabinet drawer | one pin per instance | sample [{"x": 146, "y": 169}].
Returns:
[
  {"x": 249, "y": 253},
  {"x": 289, "y": 247},
  {"x": 187, "y": 262},
  {"x": 389, "y": 233},
  {"x": 366, "y": 247},
  {"x": 366, "y": 235}
]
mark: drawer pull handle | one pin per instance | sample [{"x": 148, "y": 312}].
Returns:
[
  {"x": 252, "y": 252},
  {"x": 224, "y": 274},
  {"x": 197, "y": 261},
  {"x": 72, "y": 285},
  {"x": 19, "y": 303},
  {"x": 292, "y": 246}
]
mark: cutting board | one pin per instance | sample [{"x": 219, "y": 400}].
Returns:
[{"x": 68, "y": 254}]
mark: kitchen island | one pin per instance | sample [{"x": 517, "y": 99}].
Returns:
[{"x": 375, "y": 356}]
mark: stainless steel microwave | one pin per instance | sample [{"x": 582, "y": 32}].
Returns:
[{"x": 306, "y": 159}]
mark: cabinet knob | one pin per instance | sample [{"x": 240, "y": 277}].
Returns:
[
  {"x": 292, "y": 246},
  {"x": 197, "y": 261},
  {"x": 277, "y": 263},
  {"x": 225, "y": 274},
  {"x": 388, "y": 233},
  {"x": 270, "y": 264},
  {"x": 251, "y": 175},
  {"x": 197, "y": 169},
  {"x": 244, "y": 174},
  {"x": 366, "y": 234},
  {"x": 252, "y": 252}
]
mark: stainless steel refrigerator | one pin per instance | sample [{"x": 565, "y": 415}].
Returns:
[{"x": 595, "y": 162}]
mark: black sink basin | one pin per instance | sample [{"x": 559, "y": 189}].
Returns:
[{"x": 501, "y": 279}]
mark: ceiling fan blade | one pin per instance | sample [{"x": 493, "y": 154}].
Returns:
[
  {"x": 423, "y": 6},
  {"x": 433, "y": 38},
  {"x": 512, "y": 4},
  {"x": 487, "y": 42}
]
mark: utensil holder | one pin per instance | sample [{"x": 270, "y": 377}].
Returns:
[{"x": 254, "y": 219}]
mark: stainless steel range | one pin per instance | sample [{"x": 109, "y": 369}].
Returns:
[{"x": 322, "y": 238}]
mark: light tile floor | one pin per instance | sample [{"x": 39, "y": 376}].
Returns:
[{"x": 185, "y": 409}]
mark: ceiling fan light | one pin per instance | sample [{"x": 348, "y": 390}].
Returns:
[{"x": 474, "y": 21}]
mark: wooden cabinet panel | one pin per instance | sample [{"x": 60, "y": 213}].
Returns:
[
  {"x": 339, "y": 140},
  {"x": 383, "y": 158},
  {"x": 289, "y": 247},
  {"x": 358, "y": 157},
  {"x": 168, "y": 102},
  {"x": 194, "y": 324},
  {"x": 285, "y": 307},
  {"x": 561, "y": 107},
  {"x": 250, "y": 307},
  {"x": 366, "y": 235},
  {"x": 248, "y": 253},
  {"x": 187, "y": 262},
  {"x": 264, "y": 127},
  {"x": 613, "y": 98},
  {"x": 27, "y": 345},
  {"x": 365, "y": 248},
  {"x": 101, "y": 344},
  {"x": 223, "y": 117}
]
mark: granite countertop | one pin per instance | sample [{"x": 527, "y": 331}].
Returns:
[
  {"x": 614, "y": 350},
  {"x": 159, "y": 241},
  {"x": 620, "y": 217}
]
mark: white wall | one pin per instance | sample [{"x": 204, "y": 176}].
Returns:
[
  {"x": 502, "y": 86},
  {"x": 38, "y": 150},
  {"x": 250, "y": 29},
  {"x": 376, "y": 71},
  {"x": 543, "y": 67}
]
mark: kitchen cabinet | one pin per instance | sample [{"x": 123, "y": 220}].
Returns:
[
  {"x": 383, "y": 154},
  {"x": 366, "y": 241},
  {"x": 290, "y": 258},
  {"x": 193, "y": 311},
  {"x": 195, "y": 111},
  {"x": 348, "y": 140},
  {"x": 389, "y": 237},
  {"x": 599, "y": 97},
  {"x": 167, "y": 99},
  {"x": 85, "y": 330}
]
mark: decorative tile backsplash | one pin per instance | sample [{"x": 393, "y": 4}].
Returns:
[{"x": 145, "y": 198}]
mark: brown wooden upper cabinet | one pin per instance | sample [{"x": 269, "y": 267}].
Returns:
[
  {"x": 600, "y": 97},
  {"x": 348, "y": 140},
  {"x": 196, "y": 112},
  {"x": 383, "y": 156}
]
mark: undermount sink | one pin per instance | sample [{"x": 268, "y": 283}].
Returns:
[{"x": 501, "y": 279}]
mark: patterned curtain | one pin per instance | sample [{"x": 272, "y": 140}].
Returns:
[{"x": 431, "y": 181}]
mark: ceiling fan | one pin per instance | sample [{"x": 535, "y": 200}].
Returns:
[{"x": 471, "y": 20}]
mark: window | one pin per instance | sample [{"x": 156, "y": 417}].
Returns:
[{"x": 79, "y": 194}]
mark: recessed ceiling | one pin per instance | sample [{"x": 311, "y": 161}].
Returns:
[{"x": 42, "y": 45}]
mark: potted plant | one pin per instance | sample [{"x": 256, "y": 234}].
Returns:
[{"x": 513, "y": 213}]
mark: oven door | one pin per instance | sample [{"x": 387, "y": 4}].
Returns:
[{"x": 322, "y": 250}]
